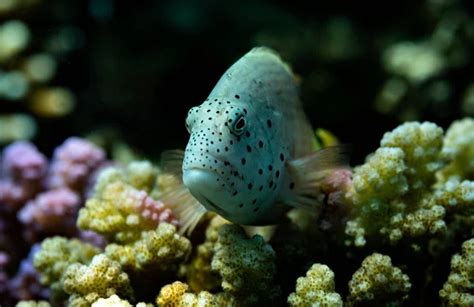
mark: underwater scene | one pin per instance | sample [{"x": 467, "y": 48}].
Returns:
[{"x": 237, "y": 153}]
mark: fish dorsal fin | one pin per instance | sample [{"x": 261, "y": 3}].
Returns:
[
  {"x": 264, "y": 81},
  {"x": 309, "y": 172},
  {"x": 176, "y": 195}
]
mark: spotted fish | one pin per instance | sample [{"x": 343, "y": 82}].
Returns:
[{"x": 250, "y": 154}]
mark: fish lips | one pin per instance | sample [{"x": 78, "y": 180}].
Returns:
[{"x": 202, "y": 183}]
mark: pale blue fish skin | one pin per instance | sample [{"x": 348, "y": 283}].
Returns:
[{"x": 241, "y": 138}]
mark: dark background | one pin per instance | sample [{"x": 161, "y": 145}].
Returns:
[{"x": 143, "y": 64}]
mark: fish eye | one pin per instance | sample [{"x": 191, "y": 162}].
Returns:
[{"x": 239, "y": 125}]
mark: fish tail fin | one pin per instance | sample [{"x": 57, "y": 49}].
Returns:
[
  {"x": 309, "y": 175},
  {"x": 175, "y": 195}
]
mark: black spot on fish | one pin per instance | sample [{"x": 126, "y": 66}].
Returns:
[
  {"x": 255, "y": 210},
  {"x": 277, "y": 174},
  {"x": 247, "y": 134},
  {"x": 270, "y": 167},
  {"x": 249, "y": 149},
  {"x": 270, "y": 184},
  {"x": 260, "y": 188},
  {"x": 260, "y": 171},
  {"x": 250, "y": 186},
  {"x": 269, "y": 123},
  {"x": 254, "y": 201},
  {"x": 245, "y": 111},
  {"x": 226, "y": 148},
  {"x": 235, "y": 193},
  {"x": 237, "y": 96},
  {"x": 243, "y": 161},
  {"x": 282, "y": 157},
  {"x": 292, "y": 185},
  {"x": 241, "y": 205},
  {"x": 260, "y": 144}
]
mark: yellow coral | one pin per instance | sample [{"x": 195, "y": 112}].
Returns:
[
  {"x": 122, "y": 212},
  {"x": 459, "y": 150},
  {"x": 199, "y": 272},
  {"x": 177, "y": 294},
  {"x": 103, "y": 277},
  {"x": 162, "y": 247},
  {"x": 392, "y": 192},
  {"x": 112, "y": 301},
  {"x": 378, "y": 281},
  {"x": 33, "y": 304},
  {"x": 458, "y": 289},
  {"x": 247, "y": 266},
  {"x": 55, "y": 256},
  {"x": 316, "y": 289}
]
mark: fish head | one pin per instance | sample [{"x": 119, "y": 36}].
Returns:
[{"x": 227, "y": 160}]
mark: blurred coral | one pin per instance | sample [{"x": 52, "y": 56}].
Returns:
[{"x": 73, "y": 162}]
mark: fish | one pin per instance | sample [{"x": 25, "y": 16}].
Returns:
[{"x": 250, "y": 157}]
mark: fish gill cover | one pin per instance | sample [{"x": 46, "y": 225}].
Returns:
[{"x": 92, "y": 92}]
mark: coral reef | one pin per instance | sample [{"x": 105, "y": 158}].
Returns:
[
  {"x": 177, "y": 294},
  {"x": 457, "y": 291},
  {"x": 317, "y": 288},
  {"x": 377, "y": 281},
  {"x": 55, "y": 257},
  {"x": 103, "y": 277},
  {"x": 247, "y": 266}
]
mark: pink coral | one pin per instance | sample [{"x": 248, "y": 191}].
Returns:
[
  {"x": 51, "y": 212},
  {"x": 150, "y": 209},
  {"x": 73, "y": 162}
]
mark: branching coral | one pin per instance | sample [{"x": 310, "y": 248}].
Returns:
[
  {"x": 199, "y": 272},
  {"x": 51, "y": 212},
  {"x": 247, "y": 266},
  {"x": 459, "y": 149},
  {"x": 56, "y": 255},
  {"x": 162, "y": 248},
  {"x": 142, "y": 175},
  {"x": 122, "y": 212},
  {"x": 115, "y": 301},
  {"x": 178, "y": 294},
  {"x": 458, "y": 289},
  {"x": 392, "y": 190},
  {"x": 21, "y": 171},
  {"x": 33, "y": 304},
  {"x": 73, "y": 162},
  {"x": 316, "y": 289},
  {"x": 103, "y": 277},
  {"x": 377, "y": 281}
]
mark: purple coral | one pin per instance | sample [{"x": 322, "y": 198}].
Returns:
[
  {"x": 21, "y": 171},
  {"x": 25, "y": 285},
  {"x": 50, "y": 213},
  {"x": 73, "y": 162}
]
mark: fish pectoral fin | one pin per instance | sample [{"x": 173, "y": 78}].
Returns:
[
  {"x": 175, "y": 194},
  {"x": 309, "y": 172},
  {"x": 172, "y": 161}
]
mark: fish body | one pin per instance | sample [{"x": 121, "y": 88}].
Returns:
[{"x": 250, "y": 154}]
